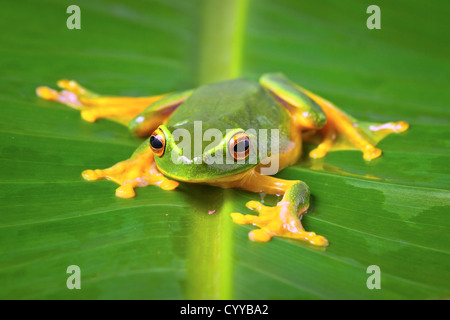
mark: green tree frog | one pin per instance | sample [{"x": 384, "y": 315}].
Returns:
[{"x": 232, "y": 107}]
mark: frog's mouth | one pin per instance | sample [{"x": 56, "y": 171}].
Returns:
[
  {"x": 203, "y": 173},
  {"x": 211, "y": 179}
]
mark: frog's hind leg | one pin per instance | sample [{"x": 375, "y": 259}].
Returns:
[
  {"x": 94, "y": 106},
  {"x": 343, "y": 132},
  {"x": 338, "y": 130}
]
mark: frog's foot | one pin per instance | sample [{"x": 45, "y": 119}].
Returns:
[
  {"x": 276, "y": 221},
  {"x": 94, "y": 106},
  {"x": 342, "y": 132},
  {"x": 138, "y": 171},
  {"x": 328, "y": 138}
]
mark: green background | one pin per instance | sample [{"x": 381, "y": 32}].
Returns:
[{"x": 391, "y": 212}]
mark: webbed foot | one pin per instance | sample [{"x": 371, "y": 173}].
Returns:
[
  {"x": 138, "y": 171},
  {"x": 280, "y": 220}
]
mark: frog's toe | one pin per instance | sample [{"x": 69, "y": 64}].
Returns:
[
  {"x": 329, "y": 136},
  {"x": 318, "y": 240},
  {"x": 74, "y": 87},
  {"x": 46, "y": 93},
  {"x": 125, "y": 191},
  {"x": 318, "y": 153},
  {"x": 401, "y": 126},
  {"x": 370, "y": 152},
  {"x": 167, "y": 184},
  {"x": 89, "y": 116},
  {"x": 92, "y": 175},
  {"x": 64, "y": 96},
  {"x": 240, "y": 218},
  {"x": 390, "y": 127},
  {"x": 266, "y": 213},
  {"x": 254, "y": 205},
  {"x": 260, "y": 235}
]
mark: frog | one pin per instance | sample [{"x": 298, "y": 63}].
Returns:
[{"x": 238, "y": 109}]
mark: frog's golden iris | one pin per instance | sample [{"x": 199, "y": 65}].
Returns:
[
  {"x": 158, "y": 142},
  {"x": 239, "y": 146}
]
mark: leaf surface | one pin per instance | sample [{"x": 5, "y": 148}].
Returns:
[{"x": 391, "y": 212}]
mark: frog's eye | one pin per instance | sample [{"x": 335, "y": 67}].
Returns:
[
  {"x": 158, "y": 142},
  {"x": 239, "y": 146}
]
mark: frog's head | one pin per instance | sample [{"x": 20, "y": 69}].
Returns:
[{"x": 185, "y": 157}]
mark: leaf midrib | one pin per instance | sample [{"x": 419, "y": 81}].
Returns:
[{"x": 209, "y": 267}]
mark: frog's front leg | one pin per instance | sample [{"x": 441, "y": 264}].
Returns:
[
  {"x": 339, "y": 130},
  {"x": 138, "y": 171},
  {"x": 141, "y": 114},
  {"x": 282, "y": 220}
]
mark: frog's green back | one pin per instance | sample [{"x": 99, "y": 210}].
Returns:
[{"x": 232, "y": 104}]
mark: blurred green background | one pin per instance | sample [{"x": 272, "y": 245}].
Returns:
[{"x": 391, "y": 212}]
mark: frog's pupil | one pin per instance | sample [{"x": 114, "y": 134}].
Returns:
[
  {"x": 241, "y": 146},
  {"x": 155, "y": 143}
]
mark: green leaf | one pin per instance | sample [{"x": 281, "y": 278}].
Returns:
[{"x": 391, "y": 212}]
